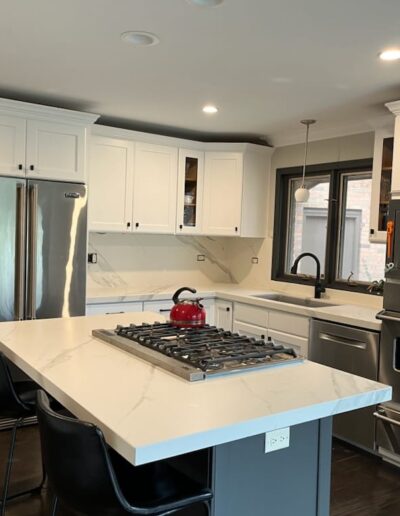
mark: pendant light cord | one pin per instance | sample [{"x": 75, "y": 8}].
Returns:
[{"x": 307, "y": 122}]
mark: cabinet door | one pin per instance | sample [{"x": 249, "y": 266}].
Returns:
[
  {"x": 223, "y": 314},
  {"x": 154, "y": 188},
  {"x": 55, "y": 151},
  {"x": 250, "y": 330},
  {"x": 113, "y": 308},
  {"x": 110, "y": 184},
  {"x": 223, "y": 178},
  {"x": 190, "y": 192},
  {"x": 299, "y": 344},
  {"x": 381, "y": 184},
  {"x": 12, "y": 146}
]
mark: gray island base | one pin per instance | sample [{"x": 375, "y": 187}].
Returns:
[{"x": 246, "y": 481}]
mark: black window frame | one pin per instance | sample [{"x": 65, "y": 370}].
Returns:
[{"x": 334, "y": 171}]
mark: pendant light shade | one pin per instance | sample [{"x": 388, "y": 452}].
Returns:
[{"x": 302, "y": 194}]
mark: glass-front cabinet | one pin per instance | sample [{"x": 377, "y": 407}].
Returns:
[
  {"x": 381, "y": 183},
  {"x": 190, "y": 191}
]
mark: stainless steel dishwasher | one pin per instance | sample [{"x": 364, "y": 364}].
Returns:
[{"x": 355, "y": 351}]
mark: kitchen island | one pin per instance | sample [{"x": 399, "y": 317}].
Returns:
[{"x": 148, "y": 414}]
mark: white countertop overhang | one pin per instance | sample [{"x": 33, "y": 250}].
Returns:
[{"x": 148, "y": 414}]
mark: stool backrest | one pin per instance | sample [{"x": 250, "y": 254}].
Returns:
[
  {"x": 76, "y": 461},
  {"x": 10, "y": 405}
]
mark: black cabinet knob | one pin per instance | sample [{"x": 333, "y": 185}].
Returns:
[
  {"x": 137, "y": 224},
  {"x": 32, "y": 167},
  {"x": 262, "y": 336},
  {"x": 371, "y": 231},
  {"x": 228, "y": 309},
  {"x": 180, "y": 226},
  {"x": 20, "y": 167},
  {"x": 236, "y": 229},
  {"x": 128, "y": 224}
]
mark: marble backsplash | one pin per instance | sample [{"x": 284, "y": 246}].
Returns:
[{"x": 150, "y": 261}]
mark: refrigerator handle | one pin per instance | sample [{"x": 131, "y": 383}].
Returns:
[
  {"x": 20, "y": 253},
  {"x": 32, "y": 251}
]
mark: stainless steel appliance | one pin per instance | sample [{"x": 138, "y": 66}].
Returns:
[
  {"x": 197, "y": 353},
  {"x": 43, "y": 231},
  {"x": 388, "y": 414},
  {"x": 355, "y": 351}
]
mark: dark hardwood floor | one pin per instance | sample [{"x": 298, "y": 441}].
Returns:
[{"x": 361, "y": 484}]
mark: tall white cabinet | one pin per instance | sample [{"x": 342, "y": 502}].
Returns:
[
  {"x": 154, "y": 188},
  {"x": 43, "y": 142},
  {"x": 110, "y": 184},
  {"x": 223, "y": 193}
]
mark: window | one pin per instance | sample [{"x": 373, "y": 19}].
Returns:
[{"x": 334, "y": 225}]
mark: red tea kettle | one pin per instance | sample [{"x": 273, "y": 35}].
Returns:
[{"x": 187, "y": 313}]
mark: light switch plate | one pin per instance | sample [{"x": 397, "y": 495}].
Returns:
[
  {"x": 201, "y": 258},
  {"x": 277, "y": 439}
]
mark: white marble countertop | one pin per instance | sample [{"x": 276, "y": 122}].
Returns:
[
  {"x": 149, "y": 414},
  {"x": 354, "y": 315}
]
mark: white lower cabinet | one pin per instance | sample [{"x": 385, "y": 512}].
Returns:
[
  {"x": 299, "y": 344},
  {"x": 290, "y": 330},
  {"x": 113, "y": 308},
  {"x": 223, "y": 314},
  {"x": 250, "y": 330}
]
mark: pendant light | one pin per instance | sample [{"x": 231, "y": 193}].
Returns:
[{"x": 302, "y": 194}]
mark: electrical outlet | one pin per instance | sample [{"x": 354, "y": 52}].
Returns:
[
  {"x": 254, "y": 259},
  {"x": 277, "y": 439},
  {"x": 92, "y": 257},
  {"x": 201, "y": 257}
]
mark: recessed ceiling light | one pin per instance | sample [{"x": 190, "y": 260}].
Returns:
[
  {"x": 206, "y": 3},
  {"x": 391, "y": 54},
  {"x": 209, "y": 109},
  {"x": 139, "y": 38}
]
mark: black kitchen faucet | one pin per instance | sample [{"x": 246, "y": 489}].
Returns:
[{"x": 319, "y": 287}]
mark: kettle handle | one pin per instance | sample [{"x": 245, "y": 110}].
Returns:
[{"x": 175, "y": 297}]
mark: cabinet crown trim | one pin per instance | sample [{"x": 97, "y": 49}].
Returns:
[
  {"x": 394, "y": 107},
  {"x": 41, "y": 112}
]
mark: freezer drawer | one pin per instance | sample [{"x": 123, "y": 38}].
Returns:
[{"x": 354, "y": 351}]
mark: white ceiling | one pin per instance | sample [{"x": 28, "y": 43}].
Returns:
[{"x": 266, "y": 63}]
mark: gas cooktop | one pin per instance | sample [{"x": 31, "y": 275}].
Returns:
[{"x": 197, "y": 353}]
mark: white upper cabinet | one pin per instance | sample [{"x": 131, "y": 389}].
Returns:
[
  {"x": 190, "y": 192},
  {"x": 235, "y": 192},
  {"x": 55, "y": 151},
  {"x": 154, "y": 188},
  {"x": 43, "y": 142},
  {"x": 223, "y": 193},
  {"x": 381, "y": 183},
  {"x": 12, "y": 145},
  {"x": 110, "y": 184},
  {"x": 137, "y": 185}
]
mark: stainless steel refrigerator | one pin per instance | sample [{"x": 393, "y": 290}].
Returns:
[{"x": 43, "y": 234}]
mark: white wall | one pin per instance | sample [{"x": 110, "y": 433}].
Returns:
[
  {"x": 156, "y": 261},
  {"x": 242, "y": 250}
]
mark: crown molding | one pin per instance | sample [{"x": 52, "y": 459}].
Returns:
[
  {"x": 41, "y": 112},
  {"x": 394, "y": 107}
]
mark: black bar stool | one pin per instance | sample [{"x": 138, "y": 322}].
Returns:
[
  {"x": 17, "y": 401},
  {"x": 84, "y": 476}
]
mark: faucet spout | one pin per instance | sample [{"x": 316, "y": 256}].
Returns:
[{"x": 319, "y": 287}]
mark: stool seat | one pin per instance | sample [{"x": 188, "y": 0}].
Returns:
[
  {"x": 90, "y": 478},
  {"x": 26, "y": 392},
  {"x": 156, "y": 484}
]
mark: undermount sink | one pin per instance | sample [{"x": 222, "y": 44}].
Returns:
[{"x": 292, "y": 300}]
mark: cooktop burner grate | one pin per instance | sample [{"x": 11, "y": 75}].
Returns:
[{"x": 201, "y": 351}]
